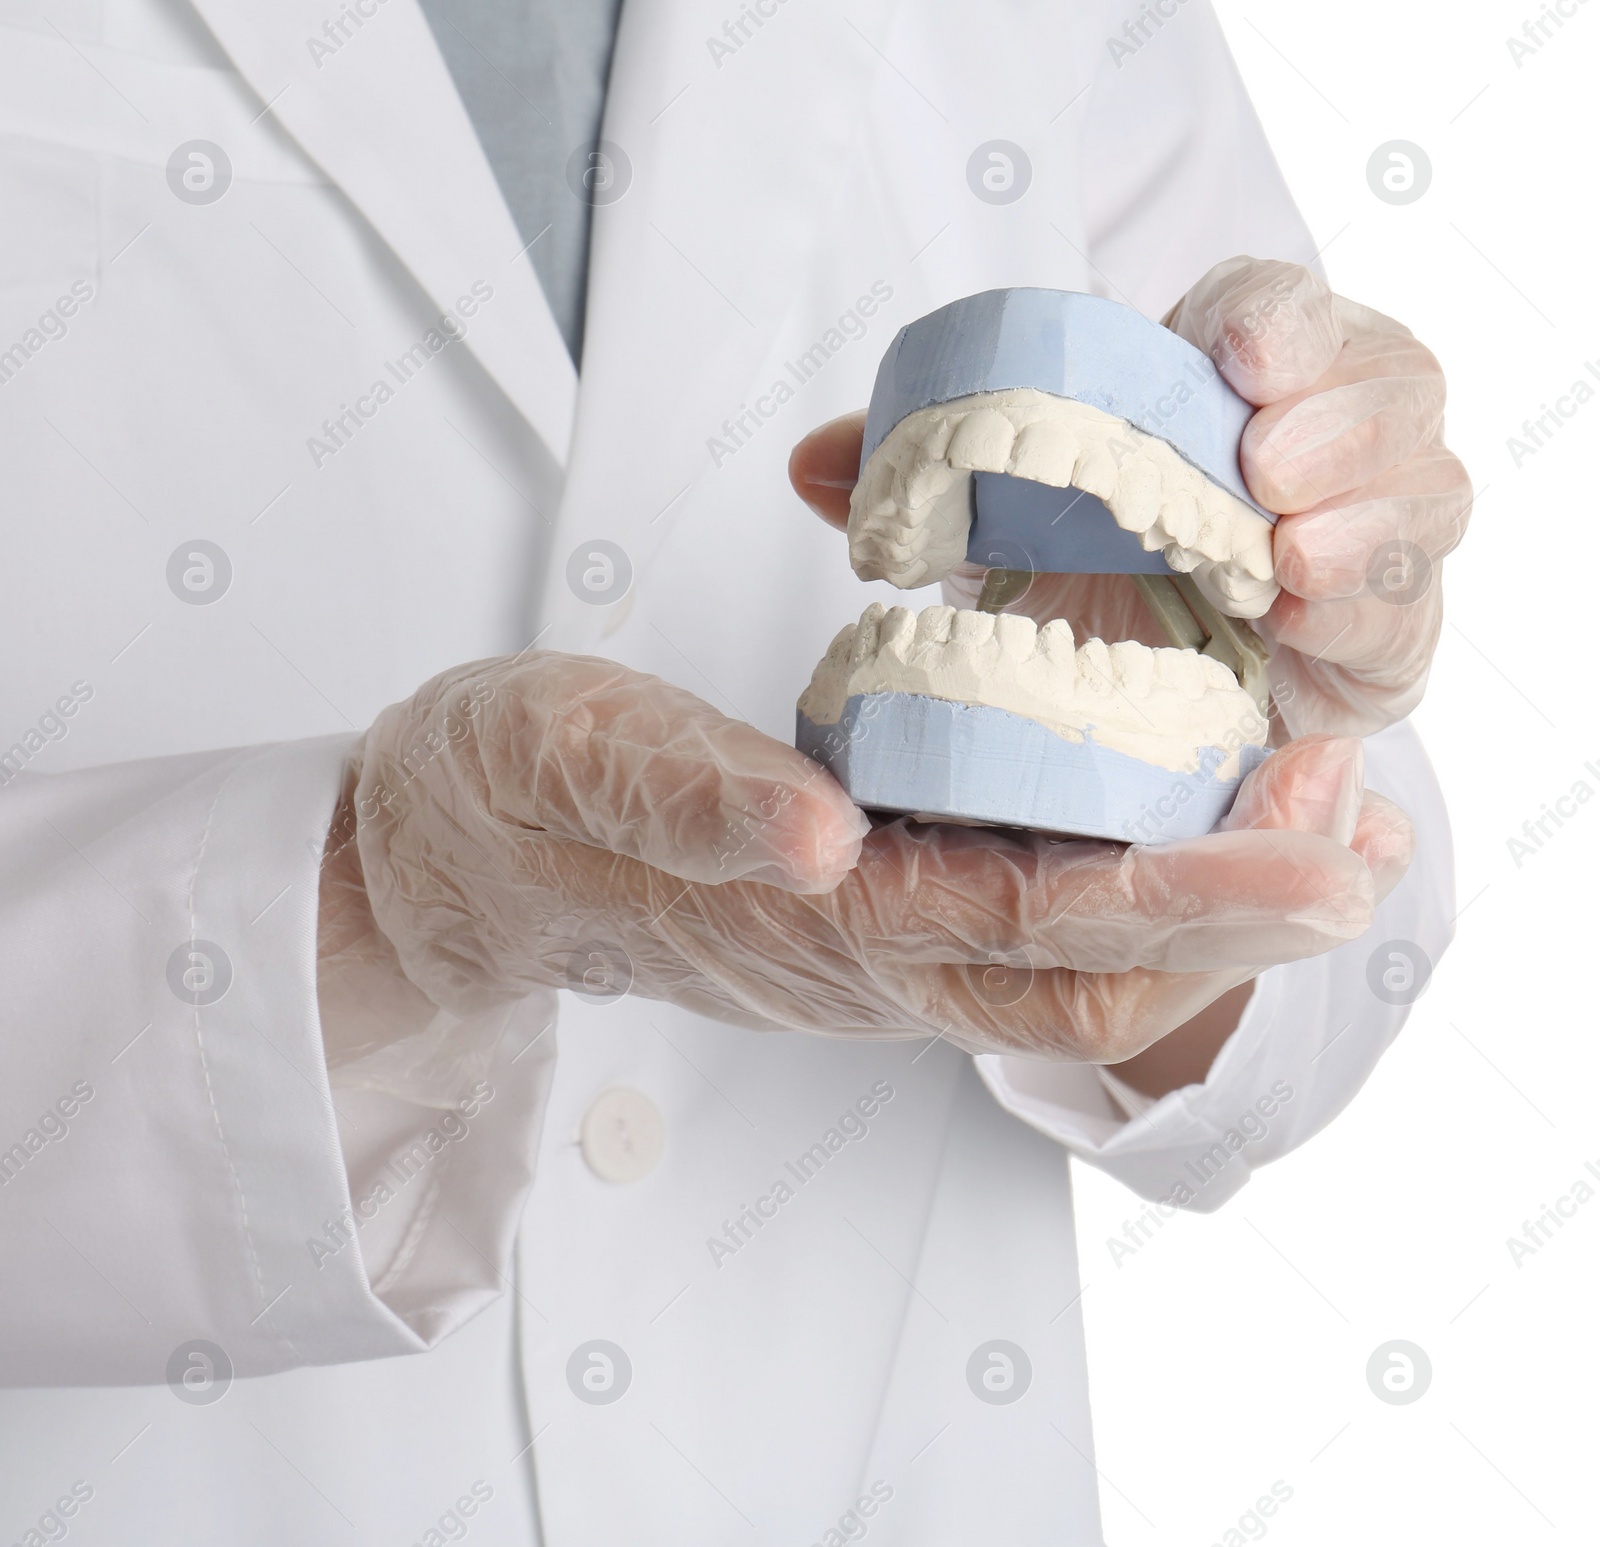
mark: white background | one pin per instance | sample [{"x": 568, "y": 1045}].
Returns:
[{"x": 1230, "y": 1351}]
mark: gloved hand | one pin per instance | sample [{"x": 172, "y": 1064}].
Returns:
[
  {"x": 521, "y": 822},
  {"x": 1347, "y": 445}
]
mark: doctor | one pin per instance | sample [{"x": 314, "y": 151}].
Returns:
[{"x": 290, "y": 424}]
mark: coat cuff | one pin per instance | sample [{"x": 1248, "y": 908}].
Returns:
[
  {"x": 190, "y": 1185},
  {"x": 1310, "y": 1035},
  {"x": 374, "y": 1225},
  {"x": 1194, "y": 1147}
]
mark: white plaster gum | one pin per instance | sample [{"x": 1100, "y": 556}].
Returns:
[
  {"x": 911, "y": 510},
  {"x": 1161, "y": 706}
]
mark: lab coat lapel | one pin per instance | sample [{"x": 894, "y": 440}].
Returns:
[
  {"x": 734, "y": 150},
  {"x": 377, "y": 110}
]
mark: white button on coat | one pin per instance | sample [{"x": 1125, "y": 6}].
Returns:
[{"x": 622, "y": 1135}]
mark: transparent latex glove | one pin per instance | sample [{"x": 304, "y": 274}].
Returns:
[
  {"x": 1347, "y": 446},
  {"x": 561, "y": 821}
]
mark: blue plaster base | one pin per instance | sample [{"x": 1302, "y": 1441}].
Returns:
[
  {"x": 1019, "y": 524},
  {"x": 1081, "y": 347},
  {"x": 904, "y": 752}
]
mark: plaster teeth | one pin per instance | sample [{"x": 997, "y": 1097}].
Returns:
[
  {"x": 929, "y": 482},
  {"x": 1094, "y": 666},
  {"x": 902, "y": 455},
  {"x": 897, "y": 630},
  {"x": 1056, "y": 643},
  {"x": 1236, "y": 594},
  {"x": 1258, "y": 557},
  {"x": 1015, "y": 635},
  {"x": 1096, "y": 471},
  {"x": 1180, "y": 519},
  {"x": 982, "y": 441},
  {"x": 1180, "y": 670},
  {"x": 1215, "y": 540},
  {"x": 933, "y": 625},
  {"x": 972, "y": 628},
  {"x": 1134, "y": 666},
  {"x": 1138, "y": 496},
  {"x": 1159, "y": 705},
  {"x": 936, "y": 447},
  {"x": 865, "y": 644},
  {"x": 1044, "y": 456},
  {"x": 910, "y": 512}
]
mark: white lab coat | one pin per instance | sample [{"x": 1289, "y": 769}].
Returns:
[{"x": 773, "y": 186}]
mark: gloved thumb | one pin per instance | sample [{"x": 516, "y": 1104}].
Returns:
[
  {"x": 1317, "y": 784},
  {"x": 1313, "y": 785}
]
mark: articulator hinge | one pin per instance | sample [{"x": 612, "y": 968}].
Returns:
[{"x": 1192, "y": 623}]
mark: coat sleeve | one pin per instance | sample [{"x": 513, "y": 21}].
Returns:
[
  {"x": 1308, "y": 1039},
  {"x": 174, "y": 1168},
  {"x": 1175, "y": 169}
]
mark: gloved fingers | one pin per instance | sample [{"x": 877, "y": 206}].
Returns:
[
  {"x": 556, "y": 912},
  {"x": 1380, "y": 402},
  {"x": 1316, "y": 784},
  {"x": 1315, "y": 696},
  {"x": 1386, "y": 840},
  {"x": 1313, "y": 785},
  {"x": 1370, "y": 541},
  {"x": 754, "y": 956},
  {"x": 1272, "y": 328},
  {"x": 926, "y": 894},
  {"x": 823, "y": 466},
  {"x": 1384, "y": 643},
  {"x": 589, "y": 750},
  {"x": 1090, "y": 1017}
]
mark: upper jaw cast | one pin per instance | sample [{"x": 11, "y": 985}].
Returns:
[{"x": 910, "y": 513}]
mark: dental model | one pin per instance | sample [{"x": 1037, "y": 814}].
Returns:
[
  {"x": 986, "y": 718},
  {"x": 1038, "y": 431}
]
